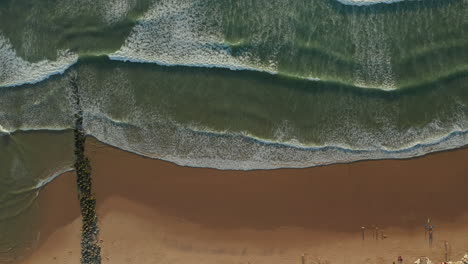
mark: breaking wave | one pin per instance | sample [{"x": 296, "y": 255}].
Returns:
[
  {"x": 140, "y": 115},
  {"x": 15, "y": 71},
  {"x": 187, "y": 147},
  {"x": 368, "y": 2},
  {"x": 200, "y": 148},
  {"x": 175, "y": 33}
]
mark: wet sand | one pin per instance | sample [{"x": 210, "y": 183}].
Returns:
[
  {"x": 152, "y": 211},
  {"x": 60, "y": 223}
]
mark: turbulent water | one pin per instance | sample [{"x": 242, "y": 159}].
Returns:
[
  {"x": 254, "y": 84},
  {"x": 232, "y": 84}
]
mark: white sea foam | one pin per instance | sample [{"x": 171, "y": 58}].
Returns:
[
  {"x": 236, "y": 152},
  {"x": 181, "y": 33},
  {"x": 370, "y": 2},
  {"x": 152, "y": 133},
  {"x": 373, "y": 54},
  {"x": 114, "y": 115},
  {"x": 4, "y": 131},
  {"x": 176, "y": 32},
  {"x": 115, "y": 10},
  {"x": 170, "y": 141},
  {"x": 149, "y": 130},
  {"x": 43, "y": 182},
  {"x": 16, "y": 71}
]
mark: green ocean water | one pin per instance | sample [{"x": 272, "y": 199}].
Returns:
[
  {"x": 385, "y": 46},
  {"x": 247, "y": 84},
  {"x": 28, "y": 160}
]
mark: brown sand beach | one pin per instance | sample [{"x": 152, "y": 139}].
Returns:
[{"x": 152, "y": 211}]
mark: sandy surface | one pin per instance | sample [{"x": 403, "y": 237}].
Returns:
[
  {"x": 152, "y": 211},
  {"x": 60, "y": 234}
]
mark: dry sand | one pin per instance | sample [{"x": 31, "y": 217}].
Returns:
[{"x": 152, "y": 211}]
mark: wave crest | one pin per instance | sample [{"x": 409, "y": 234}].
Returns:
[
  {"x": 15, "y": 71},
  {"x": 368, "y": 2}
]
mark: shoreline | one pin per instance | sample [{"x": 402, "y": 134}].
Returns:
[
  {"x": 452, "y": 134},
  {"x": 59, "y": 220},
  {"x": 331, "y": 171},
  {"x": 434, "y": 147},
  {"x": 152, "y": 210}
]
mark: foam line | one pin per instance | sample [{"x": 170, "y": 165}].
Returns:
[
  {"x": 15, "y": 71},
  {"x": 368, "y": 2},
  {"x": 188, "y": 147},
  {"x": 4, "y": 131},
  {"x": 43, "y": 182}
]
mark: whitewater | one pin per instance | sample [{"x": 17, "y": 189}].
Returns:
[
  {"x": 185, "y": 38},
  {"x": 14, "y": 71},
  {"x": 188, "y": 36},
  {"x": 202, "y": 148},
  {"x": 370, "y": 2}
]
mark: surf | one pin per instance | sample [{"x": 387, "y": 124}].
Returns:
[{"x": 15, "y": 71}]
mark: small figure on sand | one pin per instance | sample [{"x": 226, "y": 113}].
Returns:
[
  {"x": 363, "y": 229},
  {"x": 426, "y": 227},
  {"x": 446, "y": 246},
  {"x": 431, "y": 234},
  {"x": 399, "y": 260},
  {"x": 429, "y": 228}
]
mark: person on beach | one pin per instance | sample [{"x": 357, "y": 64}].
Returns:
[
  {"x": 431, "y": 232},
  {"x": 426, "y": 227},
  {"x": 400, "y": 260}
]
